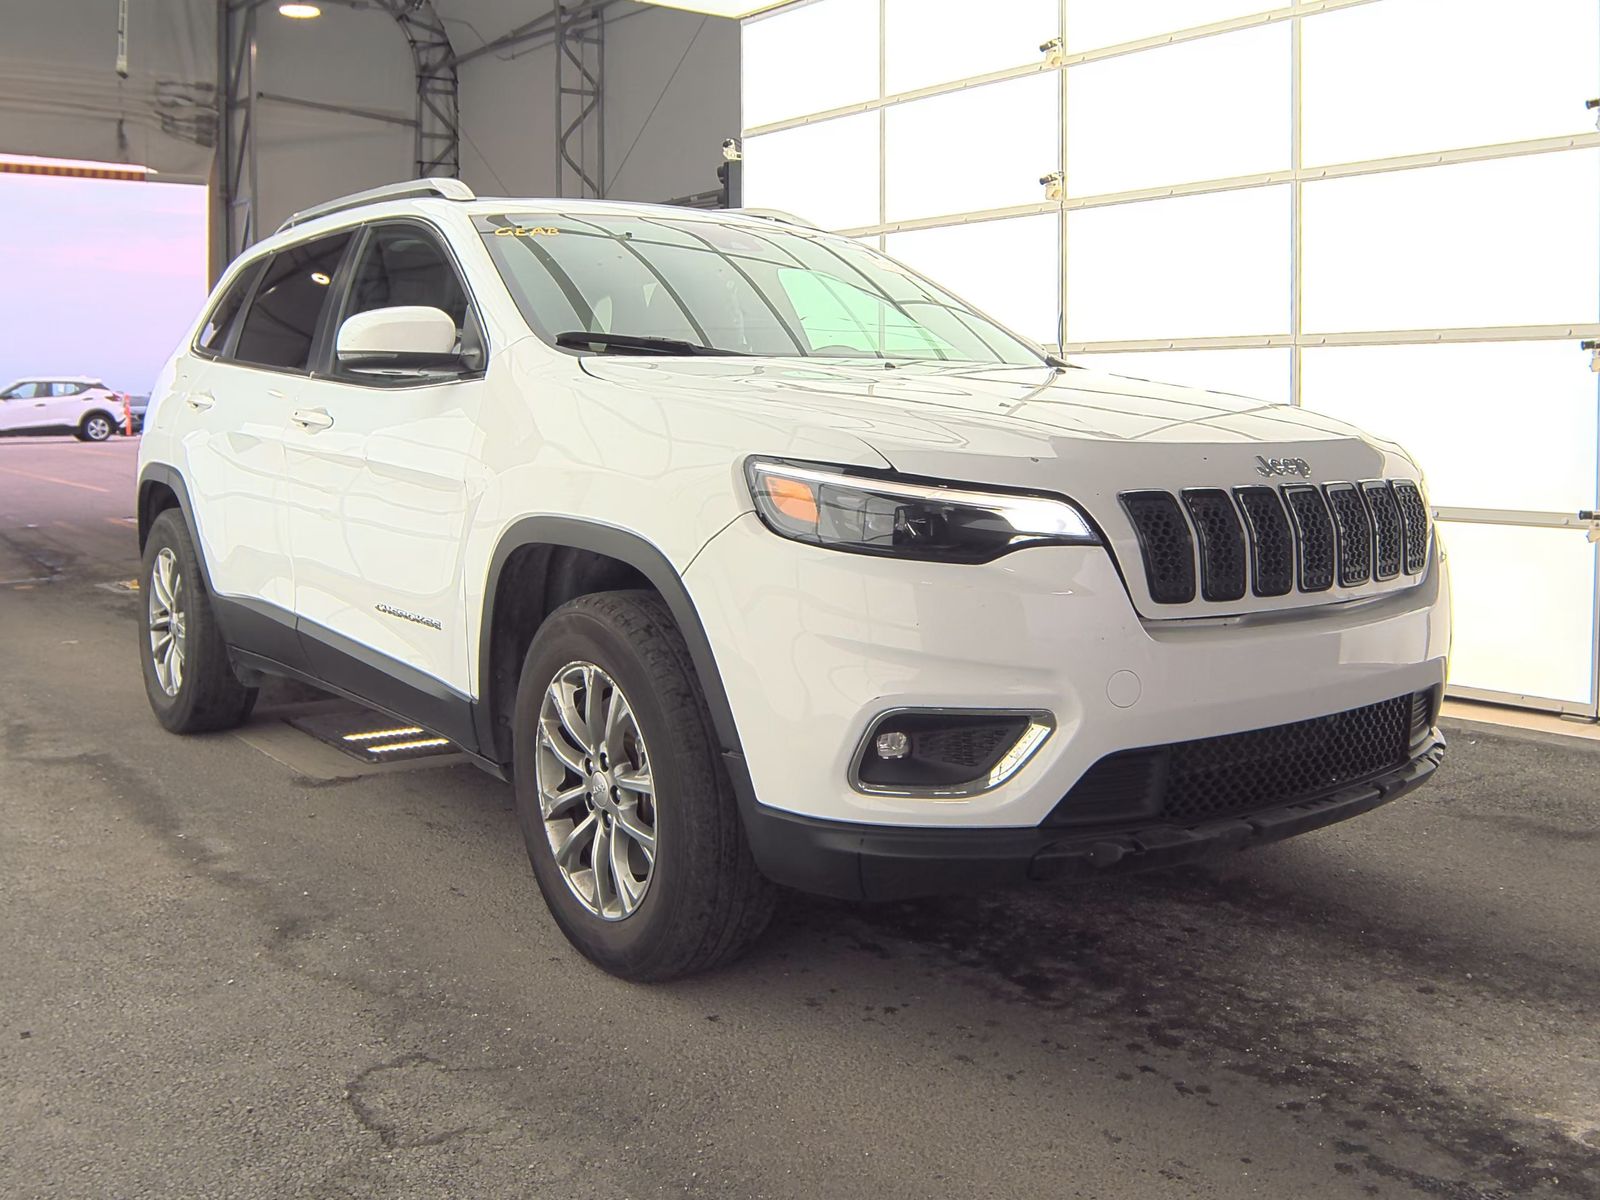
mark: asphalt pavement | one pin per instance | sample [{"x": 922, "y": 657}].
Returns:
[{"x": 228, "y": 972}]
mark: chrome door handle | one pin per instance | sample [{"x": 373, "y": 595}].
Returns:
[
  {"x": 199, "y": 401},
  {"x": 311, "y": 418}
]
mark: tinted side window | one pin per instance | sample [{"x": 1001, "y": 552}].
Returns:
[
  {"x": 282, "y": 321},
  {"x": 214, "y": 333},
  {"x": 404, "y": 264},
  {"x": 26, "y": 391},
  {"x": 66, "y": 389}
]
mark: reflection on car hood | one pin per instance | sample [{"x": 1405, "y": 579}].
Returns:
[
  {"x": 916, "y": 413},
  {"x": 1080, "y": 434}
]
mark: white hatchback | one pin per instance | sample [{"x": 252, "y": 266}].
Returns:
[{"x": 751, "y": 556}]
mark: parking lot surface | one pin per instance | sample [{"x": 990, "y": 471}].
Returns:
[{"x": 228, "y": 971}]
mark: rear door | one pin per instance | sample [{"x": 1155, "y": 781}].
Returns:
[
  {"x": 382, "y": 483},
  {"x": 66, "y": 405},
  {"x": 231, "y": 424}
]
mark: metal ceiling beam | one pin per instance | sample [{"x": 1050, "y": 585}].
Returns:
[
  {"x": 235, "y": 172},
  {"x": 366, "y": 114}
]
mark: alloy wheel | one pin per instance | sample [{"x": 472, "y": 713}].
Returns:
[
  {"x": 168, "y": 641},
  {"x": 99, "y": 429},
  {"x": 596, "y": 792}
]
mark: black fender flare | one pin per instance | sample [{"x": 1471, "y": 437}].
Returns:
[
  {"x": 161, "y": 473},
  {"x": 644, "y": 557}
]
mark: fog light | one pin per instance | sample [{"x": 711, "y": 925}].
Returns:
[
  {"x": 946, "y": 753},
  {"x": 892, "y": 745}
]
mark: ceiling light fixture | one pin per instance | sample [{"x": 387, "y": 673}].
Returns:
[{"x": 299, "y": 12}]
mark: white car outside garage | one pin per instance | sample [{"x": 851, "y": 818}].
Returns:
[{"x": 57, "y": 404}]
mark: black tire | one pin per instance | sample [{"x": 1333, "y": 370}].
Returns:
[
  {"x": 706, "y": 901},
  {"x": 208, "y": 696},
  {"x": 96, "y": 427}
]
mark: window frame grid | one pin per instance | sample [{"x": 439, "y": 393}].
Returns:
[{"x": 1295, "y": 338}]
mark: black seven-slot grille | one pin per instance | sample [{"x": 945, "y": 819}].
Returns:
[
  {"x": 1277, "y": 540},
  {"x": 1239, "y": 773}
]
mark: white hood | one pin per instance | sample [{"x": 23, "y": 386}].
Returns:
[
  {"x": 1027, "y": 426},
  {"x": 1082, "y": 434}
]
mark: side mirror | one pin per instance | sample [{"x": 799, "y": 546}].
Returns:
[{"x": 406, "y": 338}]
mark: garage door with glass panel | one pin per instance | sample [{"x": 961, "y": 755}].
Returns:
[{"x": 1386, "y": 210}]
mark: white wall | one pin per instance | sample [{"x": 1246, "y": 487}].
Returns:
[{"x": 1499, "y": 256}]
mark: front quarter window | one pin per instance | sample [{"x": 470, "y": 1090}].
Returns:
[{"x": 404, "y": 265}]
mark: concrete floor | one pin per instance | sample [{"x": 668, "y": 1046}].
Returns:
[{"x": 226, "y": 974}]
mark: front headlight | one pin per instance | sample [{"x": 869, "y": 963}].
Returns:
[{"x": 869, "y": 514}]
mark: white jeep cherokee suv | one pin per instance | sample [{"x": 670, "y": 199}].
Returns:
[
  {"x": 55, "y": 404},
  {"x": 752, "y": 557}
]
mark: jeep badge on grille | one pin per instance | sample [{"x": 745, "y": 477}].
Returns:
[{"x": 1282, "y": 466}]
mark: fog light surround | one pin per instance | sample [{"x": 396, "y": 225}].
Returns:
[{"x": 946, "y": 754}]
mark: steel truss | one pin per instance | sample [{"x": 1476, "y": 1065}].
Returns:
[
  {"x": 438, "y": 129},
  {"x": 436, "y": 124},
  {"x": 580, "y": 99},
  {"x": 577, "y": 29}
]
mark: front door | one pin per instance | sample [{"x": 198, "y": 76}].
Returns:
[
  {"x": 382, "y": 483},
  {"x": 23, "y": 407}
]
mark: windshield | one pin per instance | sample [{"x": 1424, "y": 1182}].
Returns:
[{"x": 736, "y": 288}]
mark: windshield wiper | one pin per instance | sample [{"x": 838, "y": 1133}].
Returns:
[{"x": 632, "y": 343}]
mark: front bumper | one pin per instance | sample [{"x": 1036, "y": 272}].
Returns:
[
  {"x": 872, "y": 862},
  {"x": 812, "y": 645}
]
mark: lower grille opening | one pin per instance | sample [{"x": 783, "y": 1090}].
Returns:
[{"x": 1239, "y": 773}]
